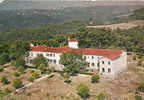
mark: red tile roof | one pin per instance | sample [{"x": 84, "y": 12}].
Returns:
[
  {"x": 72, "y": 40},
  {"x": 111, "y": 54}
]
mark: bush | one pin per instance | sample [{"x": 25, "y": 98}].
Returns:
[
  {"x": 67, "y": 81},
  {"x": 1, "y": 68},
  {"x": 16, "y": 74},
  {"x": 138, "y": 98},
  {"x": 101, "y": 96},
  {"x": 4, "y": 80},
  {"x": 17, "y": 84},
  {"x": 95, "y": 78},
  {"x": 42, "y": 68},
  {"x": 31, "y": 79},
  {"x": 21, "y": 69},
  {"x": 83, "y": 90},
  {"x": 20, "y": 62},
  {"x": 35, "y": 75},
  {"x": 7, "y": 91},
  {"x": 67, "y": 78},
  {"x": 141, "y": 87}
]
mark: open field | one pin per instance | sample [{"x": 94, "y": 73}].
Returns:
[{"x": 128, "y": 25}]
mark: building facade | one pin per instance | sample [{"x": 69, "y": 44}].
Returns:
[{"x": 106, "y": 62}]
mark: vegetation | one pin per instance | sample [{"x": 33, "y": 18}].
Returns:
[
  {"x": 4, "y": 80},
  {"x": 39, "y": 60},
  {"x": 138, "y": 14},
  {"x": 35, "y": 75},
  {"x": 4, "y": 92},
  {"x": 42, "y": 67},
  {"x": 95, "y": 78},
  {"x": 21, "y": 69},
  {"x": 17, "y": 84},
  {"x": 101, "y": 96},
  {"x": 138, "y": 98},
  {"x": 31, "y": 79},
  {"x": 1, "y": 68},
  {"x": 83, "y": 90},
  {"x": 4, "y": 58},
  {"x": 20, "y": 62},
  {"x": 73, "y": 62},
  {"x": 141, "y": 87}
]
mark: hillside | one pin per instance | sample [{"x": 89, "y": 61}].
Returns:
[
  {"x": 138, "y": 14},
  {"x": 38, "y": 17},
  {"x": 26, "y": 13}
]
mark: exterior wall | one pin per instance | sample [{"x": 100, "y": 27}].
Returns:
[
  {"x": 73, "y": 44},
  {"x": 107, "y": 67},
  {"x": 119, "y": 65},
  {"x": 52, "y": 58}
]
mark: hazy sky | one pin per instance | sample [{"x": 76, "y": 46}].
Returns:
[{"x": 76, "y": 0}]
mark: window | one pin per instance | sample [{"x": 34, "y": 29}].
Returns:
[
  {"x": 39, "y": 54},
  {"x": 109, "y": 70},
  {"x": 54, "y": 55},
  {"x": 98, "y": 64},
  {"x": 50, "y": 61},
  {"x": 93, "y": 64},
  {"x": 88, "y": 64},
  {"x": 109, "y": 62},
  {"x": 103, "y": 70},
  {"x": 47, "y": 54},
  {"x": 51, "y": 55},
  {"x": 102, "y": 62},
  {"x": 92, "y": 57},
  {"x": 85, "y": 57},
  {"x": 54, "y": 61}
]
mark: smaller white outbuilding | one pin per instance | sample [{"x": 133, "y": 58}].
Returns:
[{"x": 107, "y": 62}]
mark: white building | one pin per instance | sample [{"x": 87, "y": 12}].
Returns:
[{"x": 107, "y": 62}]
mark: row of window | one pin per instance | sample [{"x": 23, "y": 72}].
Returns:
[
  {"x": 103, "y": 70},
  {"x": 98, "y": 64},
  {"x": 103, "y": 62},
  {"x": 50, "y": 55},
  {"x": 52, "y": 61},
  {"x": 87, "y": 57}
]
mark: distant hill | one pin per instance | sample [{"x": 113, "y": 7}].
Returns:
[
  {"x": 29, "y": 13},
  {"x": 138, "y": 14}
]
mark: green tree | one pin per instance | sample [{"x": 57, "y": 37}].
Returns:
[
  {"x": 141, "y": 87},
  {"x": 83, "y": 90},
  {"x": 20, "y": 62},
  {"x": 73, "y": 62},
  {"x": 4, "y": 58},
  {"x": 4, "y": 80},
  {"x": 17, "y": 84},
  {"x": 39, "y": 60},
  {"x": 95, "y": 78},
  {"x": 138, "y": 98},
  {"x": 42, "y": 67}
]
